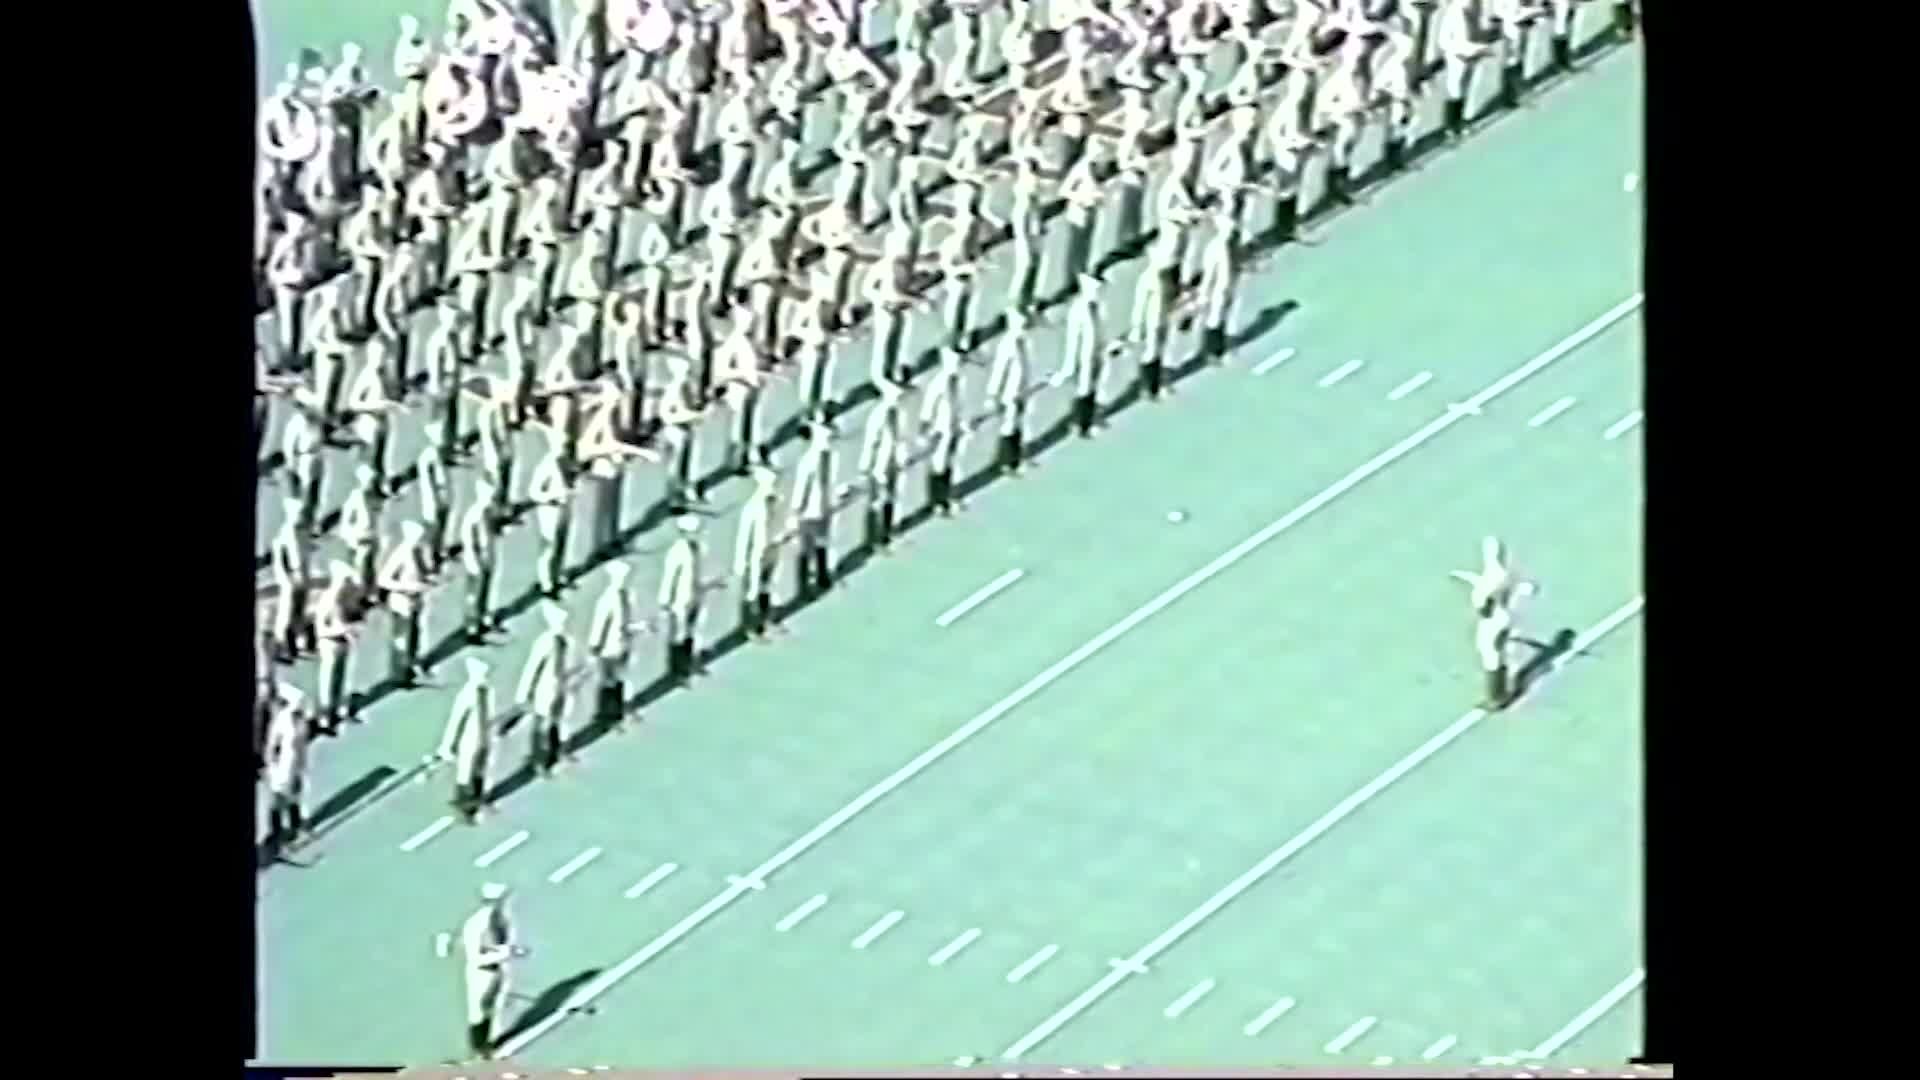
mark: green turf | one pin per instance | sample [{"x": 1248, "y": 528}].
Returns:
[{"x": 1104, "y": 809}]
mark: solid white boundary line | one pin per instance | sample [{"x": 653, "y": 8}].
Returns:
[
  {"x": 1432, "y": 429},
  {"x": 952, "y": 948},
  {"x": 420, "y": 839},
  {"x": 980, "y": 596},
  {"x": 1440, "y": 1046},
  {"x": 1541, "y": 418},
  {"x": 1410, "y": 386},
  {"x": 1273, "y": 361},
  {"x": 1351, "y": 1035},
  {"x": 1592, "y": 1014},
  {"x": 1032, "y": 964},
  {"x": 1274, "y": 1012},
  {"x": 1288, "y": 850},
  {"x": 654, "y": 877},
  {"x": 501, "y": 850},
  {"x": 1186, "y": 1001},
  {"x": 793, "y": 917},
  {"x": 872, "y": 933},
  {"x": 1339, "y": 374},
  {"x": 1624, "y": 424},
  {"x": 573, "y": 866}
]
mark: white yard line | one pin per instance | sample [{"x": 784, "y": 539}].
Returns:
[
  {"x": 573, "y": 866},
  {"x": 501, "y": 850},
  {"x": 1440, "y": 1046},
  {"x": 952, "y": 948},
  {"x": 1340, "y": 812},
  {"x": 591, "y": 990},
  {"x": 980, "y": 596},
  {"x": 1032, "y": 964},
  {"x": 421, "y": 838},
  {"x": 1337, "y": 374},
  {"x": 793, "y": 917},
  {"x": 1410, "y": 386},
  {"x": 1624, "y": 424},
  {"x": 1351, "y": 1035},
  {"x": 654, "y": 877},
  {"x": 872, "y": 933},
  {"x": 1274, "y": 1012},
  {"x": 1273, "y": 361},
  {"x": 1186, "y": 1001},
  {"x": 1592, "y": 1014},
  {"x": 1541, "y": 418}
]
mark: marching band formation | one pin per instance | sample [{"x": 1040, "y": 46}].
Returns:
[{"x": 602, "y": 238}]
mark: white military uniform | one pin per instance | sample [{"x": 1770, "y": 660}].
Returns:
[
  {"x": 291, "y": 558},
  {"x": 552, "y": 495},
  {"x": 1490, "y": 637},
  {"x": 1086, "y": 360},
  {"x": 812, "y": 509},
  {"x": 882, "y": 457},
  {"x": 753, "y": 550},
  {"x": 610, "y": 639},
  {"x": 544, "y": 689},
  {"x": 1007, "y": 390},
  {"x": 941, "y": 422},
  {"x": 486, "y": 946},
  {"x": 679, "y": 597},
  {"x": 286, "y": 754},
  {"x": 468, "y": 739},
  {"x": 335, "y": 638}
]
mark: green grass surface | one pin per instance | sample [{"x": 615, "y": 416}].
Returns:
[{"x": 1492, "y": 894}]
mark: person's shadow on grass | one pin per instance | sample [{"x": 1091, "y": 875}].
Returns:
[
  {"x": 1546, "y": 654},
  {"x": 547, "y": 1002}
]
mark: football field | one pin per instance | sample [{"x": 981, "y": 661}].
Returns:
[{"x": 1208, "y": 791}]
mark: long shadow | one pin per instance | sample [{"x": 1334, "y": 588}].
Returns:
[
  {"x": 550, "y": 1001},
  {"x": 342, "y": 801},
  {"x": 326, "y": 816},
  {"x": 1545, "y": 655}
]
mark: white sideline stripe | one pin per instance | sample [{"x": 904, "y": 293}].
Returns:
[
  {"x": 667, "y": 938},
  {"x": 654, "y": 877},
  {"x": 1288, "y": 850},
  {"x": 501, "y": 850},
  {"x": 573, "y": 865},
  {"x": 952, "y": 948},
  {"x": 1186, "y": 1001},
  {"x": 1273, "y": 361},
  {"x": 980, "y": 596},
  {"x": 1274, "y": 1012},
  {"x": 1592, "y": 1014},
  {"x": 872, "y": 933},
  {"x": 1440, "y": 1046},
  {"x": 1339, "y": 373},
  {"x": 419, "y": 839},
  {"x": 1624, "y": 424},
  {"x": 1410, "y": 386},
  {"x": 1352, "y": 1034},
  {"x": 793, "y": 917},
  {"x": 1541, "y": 418},
  {"x": 1032, "y": 963}
]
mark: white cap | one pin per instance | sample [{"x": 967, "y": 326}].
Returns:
[
  {"x": 618, "y": 571},
  {"x": 340, "y": 570},
  {"x": 764, "y": 477},
  {"x": 412, "y": 530},
  {"x": 492, "y": 891},
  {"x": 687, "y": 523},
  {"x": 477, "y": 668},
  {"x": 554, "y": 614},
  {"x": 365, "y": 473}
]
